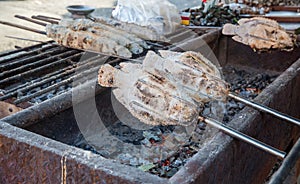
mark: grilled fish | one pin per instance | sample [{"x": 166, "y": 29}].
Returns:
[
  {"x": 165, "y": 90},
  {"x": 7, "y": 109},
  {"x": 143, "y": 32},
  {"x": 260, "y": 34},
  {"x": 86, "y": 35}
]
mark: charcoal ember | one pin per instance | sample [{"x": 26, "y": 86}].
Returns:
[
  {"x": 241, "y": 82},
  {"x": 246, "y": 85},
  {"x": 171, "y": 172},
  {"x": 202, "y": 126},
  {"x": 177, "y": 163},
  {"x": 50, "y": 95},
  {"x": 216, "y": 16},
  {"x": 150, "y": 136},
  {"x": 126, "y": 134}
]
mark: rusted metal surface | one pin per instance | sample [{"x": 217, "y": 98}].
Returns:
[
  {"x": 27, "y": 157},
  {"x": 23, "y": 162},
  {"x": 289, "y": 170},
  {"x": 34, "y": 73},
  {"x": 222, "y": 160},
  {"x": 49, "y": 108},
  {"x": 226, "y": 160},
  {"x": 239, "y": 54}
]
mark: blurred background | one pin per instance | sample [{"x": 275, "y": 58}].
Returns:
[{"x": 54, "y": 8}]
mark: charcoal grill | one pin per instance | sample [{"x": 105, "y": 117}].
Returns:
[{"x": 48, "y": 145}]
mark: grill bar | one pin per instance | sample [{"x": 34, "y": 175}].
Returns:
[
  {"x": 19, "y": 70},
  {"x": 15, "y": 53},
  {"x": 70, "y": 54},
  {"x": 89, "y": 63},
  {"x": 20, "y": 87},
  {"x": 55, "y": 86},
  {"x": 25, "y": 39},
  {"x": 11, "y": 66},
  {"x": 24, "y": 53},
  {"x": 36, "y": 84}
]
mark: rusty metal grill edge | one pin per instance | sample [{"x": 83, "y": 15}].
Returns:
[{"x": 203, "y": 164}]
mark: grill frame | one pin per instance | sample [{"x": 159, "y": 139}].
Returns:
[{"x": 82, "y": 168}]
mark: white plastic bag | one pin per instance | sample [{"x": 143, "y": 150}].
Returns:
[{"x": 160, "y": 15}]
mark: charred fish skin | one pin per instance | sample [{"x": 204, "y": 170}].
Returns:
[
  {"x": 166, "y": 90},
  {"x": 88, "y": 35},
  {"x": 196, "y": 75},
  {"x": 142, "y": 92},
  {"x": 86, "y": 41},
  {"x": 112, "y": 32},
  {"x": 145, "y": 33},
  {"x": 260, "y": 34},
  {"x": 170, "y": 109}
]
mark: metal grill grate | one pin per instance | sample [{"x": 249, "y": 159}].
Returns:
[{"x": 37, "y": 73}]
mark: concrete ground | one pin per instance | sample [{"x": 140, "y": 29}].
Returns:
[
  {"x": 28, "y": 8},
  {"x": 55, "y": 8}
]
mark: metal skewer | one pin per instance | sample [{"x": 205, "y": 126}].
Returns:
[
  {"x": 266, "y": 109},
  {"x": 44, "y": 33},
  {"x": 44, "y": 19},
  {"x": 226, "y": 129},
  {"x": 25, "y": 39},
  {"x": 247, "y": 102},
  {"x": 30, "y": 20},
  {"x": 234, "y": 133},
  {"x": 23, "y": 27},
  {"x": 47, "y": 17}
]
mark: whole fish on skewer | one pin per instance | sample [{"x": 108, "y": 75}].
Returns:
[
  {"x": 166, "y": 89},
  {"x": 101, "y": 35},
  {"x": 87, "y": 35},
  {"x": 170, "y": 89},
  {"x": 260, "y": 34}
]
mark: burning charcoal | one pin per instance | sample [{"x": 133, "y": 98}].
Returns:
[
  {"x": 206, "y": 112},
  {"x": 202, "y": 126},
  {"x": 177, "y": 163},
  {"x": 240, "y": 105},
  {"x": 226, "y": 118},
  {"x": 149, "y": 136},
  {"x": 231, "y": 112},
  {"x": 134, "y": 161},
  {"x": 146, "y": 167},
  {"x": 245, "y": 94},
  {"x": 216, "y": 16},
  {"x": 232, "y": 104},
  {"x": 62, "y": 88},
  {"x": 50, "y": 95},
  {"x": 146, "y": 142},
  {"x": 125, "y": 158}
]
